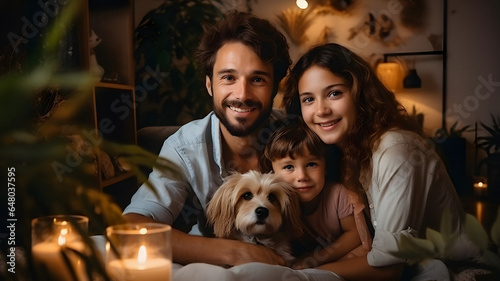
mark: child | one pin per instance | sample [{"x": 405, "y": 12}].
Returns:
[{"x": 333, "y": 231}]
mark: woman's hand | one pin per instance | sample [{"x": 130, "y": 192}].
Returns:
[{"x": 304, "y": 262}]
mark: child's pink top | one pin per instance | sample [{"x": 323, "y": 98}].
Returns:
[{"x": 336, "y": 203}]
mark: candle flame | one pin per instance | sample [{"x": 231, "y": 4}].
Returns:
[
  {"x": 142, "y": 256},
  {"x": 143, "y": 230},
  {"x": 57, "y": 222},
  {"x": 480, "y": 184},
  {"x": 62, "y": 237},
  {"x": 302, "y": 4}
]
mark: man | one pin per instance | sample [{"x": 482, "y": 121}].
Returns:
[{"x": 244, "y": 59}]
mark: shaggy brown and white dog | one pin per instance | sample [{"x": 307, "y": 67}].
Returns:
[{"x": 257, "y": 208}]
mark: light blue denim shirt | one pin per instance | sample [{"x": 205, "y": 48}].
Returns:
[{"x": 196, "y": 151}]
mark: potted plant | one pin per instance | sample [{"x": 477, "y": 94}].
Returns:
[
  {"x": 165, "y": 44},
  {"x": 452, "y": 147},
  {"x": 491, "y": 145}
]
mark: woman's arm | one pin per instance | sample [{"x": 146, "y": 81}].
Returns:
[
  {"x": 191, "y": 248},
  {"x": 359, "y": 269},
  {"x": 345, "y": 243}
]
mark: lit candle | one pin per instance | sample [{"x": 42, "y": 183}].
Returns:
[
  {"x": 142, "y": 268},
  {"x": 480, "y": 187},
  {"x": 49, "y": 254},
  {"x": 480, "y": 184},
  {"x": 139, "y": 252}
]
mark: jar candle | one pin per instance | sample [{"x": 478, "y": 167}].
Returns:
[
  {"x": 54, "y": 242},
  {"x": 480, "y": 186},
  {"x": 139, "y": 252}
]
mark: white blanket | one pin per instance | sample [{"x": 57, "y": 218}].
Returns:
[{"x": 245, "y": 272}]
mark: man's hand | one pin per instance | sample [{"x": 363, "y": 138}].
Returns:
[
  {"x": 246, "y": 252},
  {"x": 190, "y": 248}
]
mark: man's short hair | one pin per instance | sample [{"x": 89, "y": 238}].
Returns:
[{"x": 256, "y": 33}]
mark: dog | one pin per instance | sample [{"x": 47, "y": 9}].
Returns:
[{"x": 257, "y": 208}]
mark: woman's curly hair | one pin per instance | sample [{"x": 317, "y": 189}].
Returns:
[{"x": 376, "y": 107}]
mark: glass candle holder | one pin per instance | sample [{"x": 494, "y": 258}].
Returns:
[
  {"x": 57, "y": 246},
  {"x": 139, "y": 252}
]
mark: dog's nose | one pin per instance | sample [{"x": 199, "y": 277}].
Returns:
[{"x": 261, "y": 213}]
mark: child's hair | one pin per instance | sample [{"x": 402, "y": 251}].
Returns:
[{"x": 292, "y": 139}]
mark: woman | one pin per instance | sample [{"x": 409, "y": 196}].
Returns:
[{"x": 406, "y": 184}]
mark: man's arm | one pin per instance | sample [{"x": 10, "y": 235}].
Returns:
[{"x": 190, "y": 248}]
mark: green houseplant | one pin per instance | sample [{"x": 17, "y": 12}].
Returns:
[
  {"x": 438, "y": 244},
  {"x": 491, "y": 145},
  {"x": 30, "y": 149},
  {"x": 451, "y": 147},
  {"x": 165, "y": 44}
]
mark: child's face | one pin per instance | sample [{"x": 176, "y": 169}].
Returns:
[{"x": 305, "y": 173}]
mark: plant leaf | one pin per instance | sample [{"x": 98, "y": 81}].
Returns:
[
  {"x": 475, "y": 232},
  {"x": 491, "y": 259},
  {"x": 446, "y": 229},
  {"x": 415, "y": 249},
  {"x": 495, "y": 229},
  {"x": 437, "y": 239}
]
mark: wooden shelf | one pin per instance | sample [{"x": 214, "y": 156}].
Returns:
[
  {"x": 116, "y": 179},
  {"x": 114, "y": 86},
  {"x": 112, "y": 105}
]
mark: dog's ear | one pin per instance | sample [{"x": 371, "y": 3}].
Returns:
[
  {"x": 220, "y": 209},
  {"x": 292, "y": 222}
]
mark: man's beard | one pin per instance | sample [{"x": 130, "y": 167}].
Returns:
[{"x": 243, "y": 128}]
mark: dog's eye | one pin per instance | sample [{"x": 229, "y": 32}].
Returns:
[
  {"x": 248, "y": 196},
  {"x": 271, "y": 198}
]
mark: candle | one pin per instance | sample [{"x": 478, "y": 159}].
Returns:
[
  {"x": 54, "y": 242},
  {"x": 480, "y": 187},
  {"x": 133, "y": 270},
  {"x": 48, "y": 256},
  {"x": 130, "y": 270},
  {"x": 144, "y": 252}
]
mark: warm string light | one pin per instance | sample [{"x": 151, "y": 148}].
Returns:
[{"x": 302, "y": 4}]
